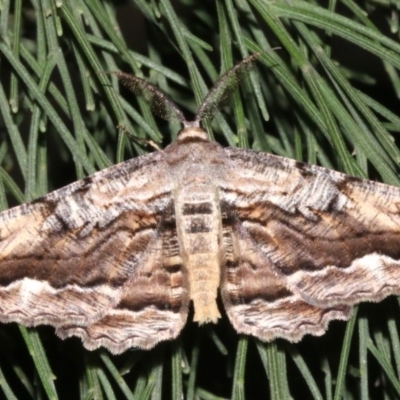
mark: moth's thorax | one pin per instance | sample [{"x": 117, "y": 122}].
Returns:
[
  {"x": 199, "y": 228},
  {"x": 193, "y": 159}
]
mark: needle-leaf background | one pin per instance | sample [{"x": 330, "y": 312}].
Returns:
[{"x": 328, "y": 96}]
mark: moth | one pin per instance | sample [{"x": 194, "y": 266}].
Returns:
[{"x": 117, "y": 258}]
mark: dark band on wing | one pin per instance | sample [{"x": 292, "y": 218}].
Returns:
[
  {"x": 62, "y": 260},
  {"x": 334, "y": 238}
]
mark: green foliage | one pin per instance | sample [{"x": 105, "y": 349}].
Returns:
[{"x": 307, "y": 100}]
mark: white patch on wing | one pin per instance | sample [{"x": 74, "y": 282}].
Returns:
[
  {"x": 34, "y": 302},
  {"x": 368, "y": 278}
]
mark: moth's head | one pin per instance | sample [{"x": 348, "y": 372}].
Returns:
[{"x": 192, "y": 132}]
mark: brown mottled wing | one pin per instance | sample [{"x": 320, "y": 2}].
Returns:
[
  {"x": 97, "y": 259},
  {"x": 305, "y": 244},
  {"x": 154, "y": 303}
]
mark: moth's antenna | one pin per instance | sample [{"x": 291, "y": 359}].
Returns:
[
  {"x": 220, "y": 93},
  {"x": 159, "y": 102},
  {"x": 216, "y": 98}
]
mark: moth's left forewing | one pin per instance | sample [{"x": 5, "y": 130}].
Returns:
[{"x": 329, "y": 239}]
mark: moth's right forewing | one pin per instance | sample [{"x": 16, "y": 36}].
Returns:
[{"x": 67, "y": 257}]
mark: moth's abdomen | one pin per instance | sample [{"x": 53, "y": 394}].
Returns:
[{"x": 199, "y": 229}]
